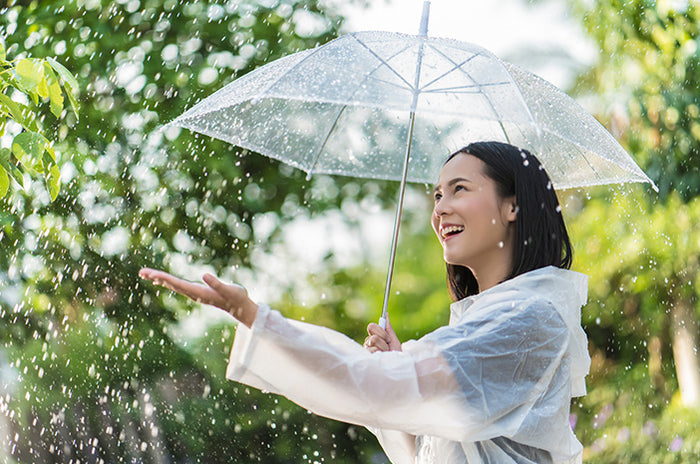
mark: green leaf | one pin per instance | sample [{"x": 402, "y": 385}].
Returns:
[
  {"x": 43, "y": 88},
  {"x": 28, "y": 148},
  {"x": 9, "y": 167},
  {"x": 48, "y": 160},
  {"x": 53, "y": 181},
  {"x": 56, "y": 99},
  {"x": 4, "y": 182},
  {"x": 3, "y": 55},
  {"x": 54, "y": 90},
  {"x": 74, "y": 105},
  {"x": 50, "y": 152},
  {"x": 5, "y": 80},
  {"x": 11, "y": 108},
  {"x": 66, "y": 75},
  {"x": 19, "y": 112},
  {"x": 52, "y": 175},
  {"x": 30, "y": 73},
  {"x": 69, "y": 83}
]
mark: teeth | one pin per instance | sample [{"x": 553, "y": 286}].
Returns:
[{"x": 450, "y": 230}]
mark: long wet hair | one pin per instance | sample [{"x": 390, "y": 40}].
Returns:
[{"x": 541, "y": 238}]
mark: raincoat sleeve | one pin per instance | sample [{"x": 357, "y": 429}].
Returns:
[{"x": 472, "y": 381}]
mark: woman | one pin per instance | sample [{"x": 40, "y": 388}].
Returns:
[{"x": 494, "y": 386}]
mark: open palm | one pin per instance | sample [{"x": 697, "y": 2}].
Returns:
[{"x": 231, "y": 298}]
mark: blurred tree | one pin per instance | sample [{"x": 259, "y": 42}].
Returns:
[
  {"x": 95, "y": 365},
  {"x": 641, "y": 253}
]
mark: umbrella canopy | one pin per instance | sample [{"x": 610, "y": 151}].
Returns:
[
  {"x": 393, "y": 106},
  {"x": 343, "y": 108}
]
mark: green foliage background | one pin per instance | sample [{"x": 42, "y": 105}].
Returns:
[
  {"x": 95, "y": 365},
  {"x": 640, "y": 248}
]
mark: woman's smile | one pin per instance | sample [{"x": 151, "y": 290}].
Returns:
[{"x": 448, "y": 231}]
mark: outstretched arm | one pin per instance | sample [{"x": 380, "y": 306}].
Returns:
[{"x": 231, "y": 298}]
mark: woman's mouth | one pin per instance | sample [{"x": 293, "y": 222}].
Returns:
[{"x": 450, "y": 231}]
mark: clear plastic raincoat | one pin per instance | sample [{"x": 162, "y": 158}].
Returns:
[{"x": 494, "y": 386}]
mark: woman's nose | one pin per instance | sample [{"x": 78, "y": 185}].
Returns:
[{"x": 440, "y": 207}]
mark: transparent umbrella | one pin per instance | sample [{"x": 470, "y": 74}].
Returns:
[{"x": 392, "y": 106}]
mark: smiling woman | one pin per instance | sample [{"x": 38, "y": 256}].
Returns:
[
  {"x": 494, "y": 385},
  {"x": 519, "y": 186},
  {"x": 473, "y": 222}
]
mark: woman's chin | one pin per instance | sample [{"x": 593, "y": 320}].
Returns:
[{"x": 454, "y": 261}]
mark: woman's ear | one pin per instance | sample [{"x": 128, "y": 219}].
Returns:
[{"x": 509, "y": 209}]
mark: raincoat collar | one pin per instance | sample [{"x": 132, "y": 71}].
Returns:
[{"x": 566, "y": 290}]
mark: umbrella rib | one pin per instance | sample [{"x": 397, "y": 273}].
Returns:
[
  {"x": 337, "y": 118},
  {"x": 325, "y": 141},
  {"x": 458, "y": 66},
  {"x": 455, "y": 66},
  {"x": 488, "y": 100},
  {"x": 585, "y": 158},
  {"x": 538, "y": 129},
  {"x": 475, "y": 87},
  {"x": 383, "y": 81},
  {"x": 386, "y": 63},
  {"x": 272, "y": 84}
]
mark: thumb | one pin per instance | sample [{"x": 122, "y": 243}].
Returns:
[
  {"x": 213, "y": 281},
  {"x": 391, "y": 338},
  {"x": 389, "y": 329}
]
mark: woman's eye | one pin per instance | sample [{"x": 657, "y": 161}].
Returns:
[
  {"x": 438, "y": 196},
  {"x": 460, "y": 187}
]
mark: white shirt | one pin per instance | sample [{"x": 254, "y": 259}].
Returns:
[{"x": 494, "y": 386}]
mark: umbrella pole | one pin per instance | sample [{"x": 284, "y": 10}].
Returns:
[
  {"x": 397, "y": 222},
  {"x": 423, "y": 31}
]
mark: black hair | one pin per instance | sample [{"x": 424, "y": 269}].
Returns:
[{"x": 541, "y": 238}]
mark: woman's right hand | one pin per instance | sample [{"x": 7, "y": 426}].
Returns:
[
  {"x": 231, "y": 298},
  {"x": 381, "y": 339}
]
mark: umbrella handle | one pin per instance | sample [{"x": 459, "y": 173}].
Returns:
[{"x": 382, "y": 322}]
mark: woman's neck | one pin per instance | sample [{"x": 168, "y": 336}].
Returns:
[{"x": 492, "y": 274}]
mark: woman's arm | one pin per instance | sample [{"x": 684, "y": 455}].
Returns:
[
  {"x": 470, "y": 382},
  {"x": 399, "y": 446}
]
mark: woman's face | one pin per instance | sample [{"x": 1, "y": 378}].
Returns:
[{"x": 473, "y": 223}]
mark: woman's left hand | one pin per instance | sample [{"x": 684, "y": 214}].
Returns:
[
  {"x": 231, "y": 298},
  {"x": 381, "y": 339}
]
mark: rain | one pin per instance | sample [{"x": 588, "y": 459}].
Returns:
[{"x": 98, "y": 366}]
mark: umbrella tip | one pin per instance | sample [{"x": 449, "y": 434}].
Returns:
[
  {"x": 424, "y": 19},
  {"x": 653, "y": 185}
]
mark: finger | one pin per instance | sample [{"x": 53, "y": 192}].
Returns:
[
  {"x": 230, "y": 295},
  {"x": 197, "y": 292},
  {"x": 151, "y": 274},
  {"x": 391, "y": 338},
  {"x": 178, "y": 285},
  {"x": 214, "y": 282},
  {"x": 377, "y": 342},
  {"x": 389, "y": 330},
  {"x": 163, "y": 279},
  {"x": 376, "y": 329}
]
